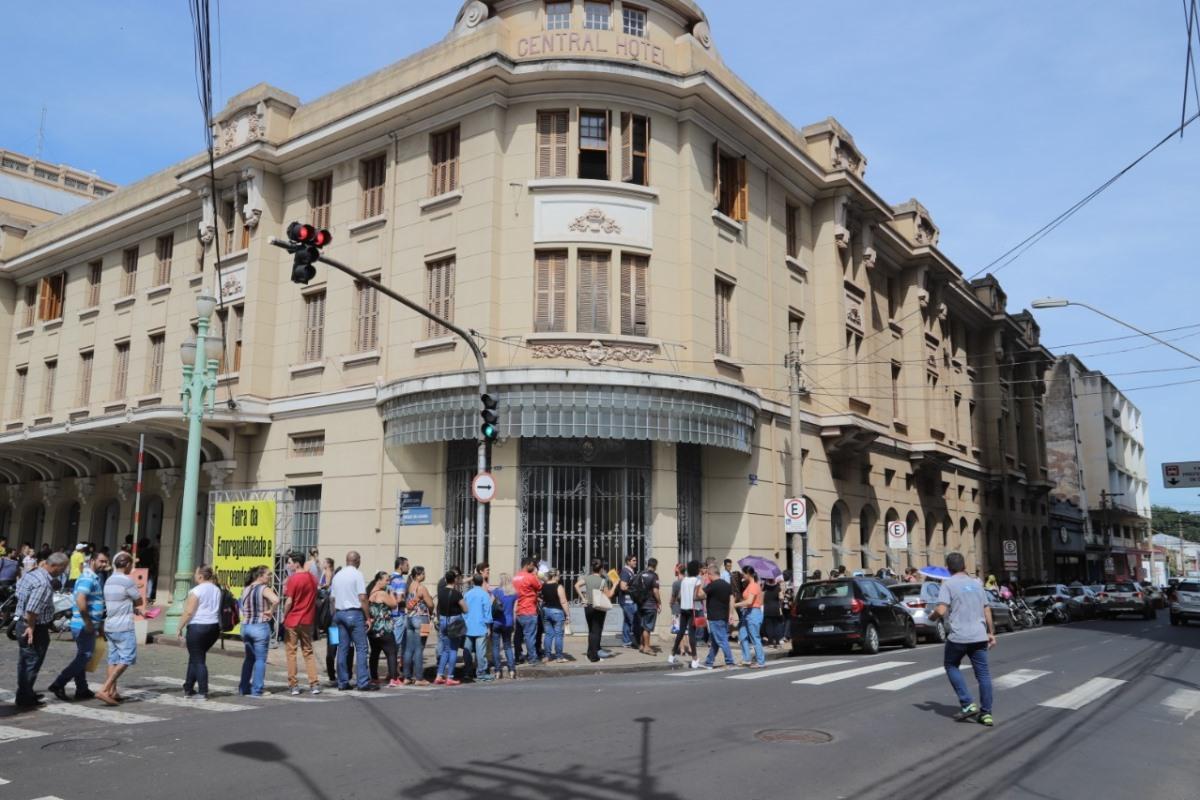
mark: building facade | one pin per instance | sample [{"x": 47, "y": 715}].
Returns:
[
  {"x": 634, "y": 237},
  {"x": 1097, "y": 454}
]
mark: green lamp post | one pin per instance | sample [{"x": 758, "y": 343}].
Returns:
[{"x": 201, "y": 357}]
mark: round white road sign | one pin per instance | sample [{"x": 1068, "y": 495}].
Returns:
[{"x": 483, "y": 487}]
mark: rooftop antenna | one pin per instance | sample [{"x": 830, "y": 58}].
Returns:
[{"x": 41, "y": 140}]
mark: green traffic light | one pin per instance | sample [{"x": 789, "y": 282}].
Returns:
[{"x": 490, "y": 432}]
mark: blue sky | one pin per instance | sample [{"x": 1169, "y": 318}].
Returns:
[{"x": 996, "y": 116}]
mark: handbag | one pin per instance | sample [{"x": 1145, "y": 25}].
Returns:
[
  {"x": 456, "y": 628},
  {"x": 600, "y": 601},
  {"x": 99, "y": 651}
]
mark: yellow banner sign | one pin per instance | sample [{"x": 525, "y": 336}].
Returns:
[{"x": 243, "y": 538}]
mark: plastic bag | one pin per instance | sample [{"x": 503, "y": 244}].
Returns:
[{"x": 98, "y": 654}]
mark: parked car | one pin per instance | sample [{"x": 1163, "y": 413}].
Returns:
[
  {"x": 1085, "y": 598},
  {"x": 1058, "y": 593},
  {"x": 1185, "y": 602},
  {"x": 1156, "y": 596},
  {"x": 1124, "y": 598},
  {"x": 849, "y": 611},
  {"x": 919, "y": 599},
  {"x": 1002, "y": 618}
]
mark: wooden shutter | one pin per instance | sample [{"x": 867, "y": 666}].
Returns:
[
  {"x": 85, "y": 378},
  {"x": 314, "y": 327},
  {"x": 238, "y": 312},
  {"x": 723, "y": 295},
  {"x": 550, "y": 291},
  {"x": 716, "y": 159},
  {"x": 121, "y": 371},
  {"x": 166, "y": 251},
  {"x": 634, "y": 272},
  {"x": 741, "y": 208},
  {"x": 552, "y": 131},
  {"x": 43, "y": 298},
  {"x": 593, "y": 292},
  {"x": 626, "y": 146}
]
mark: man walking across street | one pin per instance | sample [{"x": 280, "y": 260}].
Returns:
[
  {"x": 631, "y": 629},
  {"x": 350, "y": 614},
  {"x": 299, "y": 617},
  {"x": 87, "y": 622},
  {"x": 121, "y": 598},
  {"x": 717, "y": 596},
  {"x": 35, "y": 610},
  {"x": 972, "y": 633}
]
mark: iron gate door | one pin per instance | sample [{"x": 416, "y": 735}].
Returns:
[{"x": 592, "y": 500}]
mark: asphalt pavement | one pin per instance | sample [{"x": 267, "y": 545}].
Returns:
[{"x": 1104, "y": 709}]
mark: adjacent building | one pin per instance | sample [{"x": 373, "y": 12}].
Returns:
[
  {"x": 1100, "y": 506},
  {"x": 634, "y": 237}
]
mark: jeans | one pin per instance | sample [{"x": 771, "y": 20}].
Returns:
[
  {"x": 556, "y": 620},
  {"x": 257, "y": 639},
  {"x": 414, "y": 648},
  {"x": 352, "y": 632},
  {"x": 479, "y": 645},
  {"x": 447, "y": 647},
  {"x": 529, "y": 626},
  {"x": 631, "y": 628},
  {"x": 199, "y": 639},
  {"x": 85, "y": 643},
  {"x": 29, "y": 661},
  {"x": 978, "y": 653},
  {"x": 718, "y": 637},
  {"x": 383, "y": 643},
  {"x": 502, "y": 645},
  {"x": 752, "y": 635},
  {"x": 595, "y": 623},
  {"x": 399, "y": 627}
]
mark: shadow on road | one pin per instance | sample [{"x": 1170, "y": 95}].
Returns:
[
  {"x": 941, "y": 709},
  {"x": 271, "y": 753}
]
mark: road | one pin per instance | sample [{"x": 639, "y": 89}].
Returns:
[{"x": 1105, "y": 709}]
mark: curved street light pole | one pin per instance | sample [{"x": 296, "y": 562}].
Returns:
[{"x": 1061, "y": 302}]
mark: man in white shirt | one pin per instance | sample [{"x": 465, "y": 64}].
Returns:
[{"x": 350, "y": 613}]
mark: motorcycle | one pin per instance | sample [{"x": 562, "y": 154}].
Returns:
[
  {"x": 1023, "y": 616},
  {"x": 1052, "y": 611},
  {"x": 64, "y": 607}
]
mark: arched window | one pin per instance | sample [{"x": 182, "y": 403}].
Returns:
[
  {"x": 837, "y": 531},
  {"x": 891, "y": 554},
  {"x": 866, "y": 529}
]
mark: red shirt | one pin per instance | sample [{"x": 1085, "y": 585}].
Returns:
[
  {"x": 527, "y": 586},
  {"x": 302, "y": 588}
]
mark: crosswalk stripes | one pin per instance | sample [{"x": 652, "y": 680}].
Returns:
[
  {"x": 911, "y": 680},
  {"x": 3, "y": 782},
  {"x": 1184, "y": 702},
  {"x": 1018, "y": 677},
  {"x": 87, "y": 712},
  {"x": 11, "y": 734},
  {"x": 831, "y": 677},
  {"x": 147, "y": 696},
  {"x": 771, "y": 672},
  {"x": 1083, "y": 694}
]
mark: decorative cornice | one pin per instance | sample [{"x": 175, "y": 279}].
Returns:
[{"x": 594, "y": 353}]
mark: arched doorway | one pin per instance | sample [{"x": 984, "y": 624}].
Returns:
[
  {"x": 977, "y": 545},
  {"x": 912, "y": 521},
  {"x": 837, "y": 530},
  {"x": 105, "y": 521},
  {"x": 866, "y": 529},
  {"x": 32, "y": 520},
  {"x": 960, "y": 544},
  {"x": 6, "y": 515},
  {"x": 890, "y": 553}
]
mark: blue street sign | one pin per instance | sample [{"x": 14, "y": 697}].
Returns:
[{"x": 418, "y": 515}]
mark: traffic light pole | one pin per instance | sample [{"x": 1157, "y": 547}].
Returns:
[{"x": 484, "y": 445}]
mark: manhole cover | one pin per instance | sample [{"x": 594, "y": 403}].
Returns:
[
  {"x": 81, "y": 745},
  {"x": 795, "y": 736}
]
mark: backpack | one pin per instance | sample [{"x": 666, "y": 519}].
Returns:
[
  {"x": 639, "y": 589},
  {"x": 230, "y": 615},
  {"x": 324, "y": 609}
]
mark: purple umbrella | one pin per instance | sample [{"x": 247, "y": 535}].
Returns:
[{"x": 765, "y": 567}]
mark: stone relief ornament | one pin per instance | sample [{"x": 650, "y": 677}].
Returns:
[
  {"x": 476, "y": 13},
  {"x": 703, "y": 34},
  {"x": 595, "y": 221},
  {"x": 854, "y": 316},
  {"x": 232, "y": 286},
  {"x": 594, "y": 353}
]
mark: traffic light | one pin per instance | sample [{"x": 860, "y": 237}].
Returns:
[
  {"x": 306, "y": 243},
  {"x": 489, "y": 429}
]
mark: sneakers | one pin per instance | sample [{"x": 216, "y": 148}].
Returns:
[
  {"x": 315, "y": 690},
  {"x": 439, "y": 681},
  {"x": 695, "y": 664},
  {"x": 671, "y": 659},
  {"x": 985, "y": 719},
  {"x": 452, "y": 682},
  {"x": 395, "y": 682},
  {"x": 967, "y": 712},
  {"x": 295, "y": 691}
]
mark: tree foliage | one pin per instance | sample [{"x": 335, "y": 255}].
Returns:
[{"x": 1168, "y": 521}]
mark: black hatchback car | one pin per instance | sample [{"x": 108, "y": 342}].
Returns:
[{"x": 847, "y": 612}]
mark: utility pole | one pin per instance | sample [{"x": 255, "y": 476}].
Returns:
[
  {"x": 1106, "y": 504},
  {"x": 796, "y": 388}
]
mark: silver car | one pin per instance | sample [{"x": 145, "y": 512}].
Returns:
[
  {"x": 918, "y": 600},
  {"x": 1123, "y": 598},
  {"x": 1185, "y": 601}
]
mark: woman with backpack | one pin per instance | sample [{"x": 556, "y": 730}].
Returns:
[
  {"x": 201, "y": 625},
  {"x": 504, "y": 619},
  {"x": 258, "y": 610}
]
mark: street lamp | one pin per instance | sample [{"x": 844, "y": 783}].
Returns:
[
  {"x": 1062, "y": 302},
  {"x": 201, "y": 356}
]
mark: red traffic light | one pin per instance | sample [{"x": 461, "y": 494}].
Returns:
[{"x": 309, "y": 234}]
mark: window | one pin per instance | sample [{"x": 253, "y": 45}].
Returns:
[
  {"x": 51, "y": 303},
  {"x": 550, "y": 291},
  {"x": 230, "y": 320},
  {"x": 791, "y": 216},
  {"x": 730, "y": 192},
  {"x": 320, "y": 196},
  {"x": 366, "y": 317},
  {"x": 957, "y": 417},
  {"x": 971, "y": 422},
  {"x": 31, "y": 302},
  {"x": 593, "y": 145},
  {"x": 164, "y": 249},
  {"x": 896, "y": 372},
  {"x": 154, "y": 363},
  {"x": 120, "y": 370},
  {"x": 723, "y": 291},
  {"x": 373, "y": 176},
  {"x": 314, "y": 328},
  {"x": 129, "y": 266},
  {"x": 597, "y": 15},
  {"x": 307, "y": 445},
  {"x": 93, "y": 287},
  {"x": 635, "y": 271},
  {"x": 439, "y": 294},
  {"x": 635, "y": 149},
  {"x": 306, "y": 520},
  {"x": 228, "y": 222},
  {"x": 18, "y": 400},
  {"x": 48, "y": 388},
  {"x": 633, "y": 21},
  {"x": 894, "y": 297},
  {"x": 592, "y": 307},
  {"x": 84, "y": 395},
  {"x": 558, "y": 15},
  {"x": 443, "y": 158},
  {"x": 854, "y": 343},
  {"x": 552, "y": 131}
]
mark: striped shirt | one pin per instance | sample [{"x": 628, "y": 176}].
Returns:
[
  {"x": 253, "y": 605},
  {"x": 35, "y": 595},
  {"x": 88, "y": 584}
]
